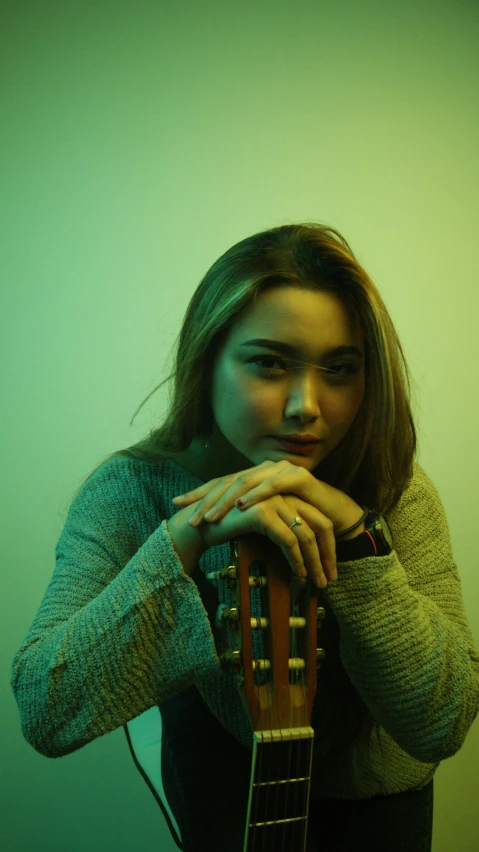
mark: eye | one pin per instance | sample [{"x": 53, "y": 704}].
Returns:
[
  {"x": 350, "y": 369},
  {"x": 333, "y": 372},
  {"x": 269, "y": 358}
]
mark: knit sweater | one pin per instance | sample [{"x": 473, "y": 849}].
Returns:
[{"x": 122, "y": 627}]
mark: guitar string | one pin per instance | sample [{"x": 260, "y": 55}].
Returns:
[
  {"x": 254, "y": 816},
  {"x": 259, "y": 678},
  {"x": 283, "y": 793},
  {"x": 296, "y": 678},
  {"x": 300, "y": 595},
  {"x": 266, "y": 610},
  {"x": 296, "y": 674},
  {"x": 291, "y": 681}
]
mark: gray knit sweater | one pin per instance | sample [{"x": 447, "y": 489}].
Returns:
[{"x": 121, "y": 627}]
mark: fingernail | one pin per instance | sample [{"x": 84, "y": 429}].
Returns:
[
  {"x": 211, "y": 514},
  {"x": 194, "y": 520}
]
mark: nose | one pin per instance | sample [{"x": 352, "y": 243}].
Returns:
[{"x": 303, "y": 399}]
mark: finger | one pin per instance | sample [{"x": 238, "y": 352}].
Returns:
[
  {"x": 222, "y": 497},
  {"x": 319, "y": 555},
  {"x": 304, "y": 555},
  {"x": 274, "y": 527},
  {"x": 194, "y": 495},
  {"x": 202, "y": 490},
  {"x": 299, "y": 548},
  {"x": 207, "y": 503},
  {"x": 308, "y": 546},
  {"x": 243, "y": 492},
  {"x": 327, "y": 548}
]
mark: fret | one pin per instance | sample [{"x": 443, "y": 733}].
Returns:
[
  {"x": 279, "y": 792},
  {"x": 287, "y": 837},
  {"x": 274, "y": 629},
  {"x": 278, "y": 821},
  {"x": 279, "y": 803},
  {"x": 284, "y": 781}
]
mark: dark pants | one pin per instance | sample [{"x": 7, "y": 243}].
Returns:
[{"x": 206, "y": 777}]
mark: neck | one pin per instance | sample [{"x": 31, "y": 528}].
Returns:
[{"x": 214, "y": 457}]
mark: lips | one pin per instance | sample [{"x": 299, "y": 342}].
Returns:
[
  {"x": 298, "y": 441},
  {"x": 295, "y": 441},
  {"x": 299, "y": 447}
]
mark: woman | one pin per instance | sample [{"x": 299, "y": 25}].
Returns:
[{"x": 285, "y": 341}]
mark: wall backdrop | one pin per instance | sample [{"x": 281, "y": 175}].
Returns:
[{"x": 139, "y": 141}]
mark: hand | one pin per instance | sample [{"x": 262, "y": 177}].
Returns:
[
  {"x": 218, "y": 496},
  {"x": 268, "y": 479},
  {"x": 309, "y": 547}
]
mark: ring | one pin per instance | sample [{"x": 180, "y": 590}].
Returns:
[{"x": 296, "y": 521}]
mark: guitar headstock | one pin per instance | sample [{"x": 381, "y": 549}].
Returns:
[{"x": 276, "y": 655}]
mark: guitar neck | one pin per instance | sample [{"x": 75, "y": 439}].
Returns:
[
  {"x": 277, "y": 815},
  {"x": 277, "y": 685}
]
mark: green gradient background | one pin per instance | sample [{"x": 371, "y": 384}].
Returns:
[{"x": 139, "y": 141}]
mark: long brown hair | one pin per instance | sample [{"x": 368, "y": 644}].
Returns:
[{"x": 373, "y": 463}]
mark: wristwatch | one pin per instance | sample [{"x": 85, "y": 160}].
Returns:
[{"x": 375, "y": 540}]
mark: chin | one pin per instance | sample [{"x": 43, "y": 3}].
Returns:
[{"x": 306, "y": 461}]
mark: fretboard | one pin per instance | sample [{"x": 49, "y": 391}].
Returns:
[{"x": 277, "y": 816}]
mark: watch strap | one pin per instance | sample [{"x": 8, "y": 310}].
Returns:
[{"x": 371, "y": 542}]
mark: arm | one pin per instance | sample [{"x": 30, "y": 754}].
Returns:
[
  {"x": 405, "y": 641},
  {"x": 121, "y": 626},
  {"x": 187, "y": 540}
]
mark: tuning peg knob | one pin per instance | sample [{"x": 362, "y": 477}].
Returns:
[
  {"x": 227, "y": 614},
  {"x": 228, "y": 574},
  {"x": 259, "y": 623},
  {"x": 321, "y": 614},
  {"x": 255, "y": 582},
  {"x": 320, "y": 655},
  {"x": 231, "y": 661}
]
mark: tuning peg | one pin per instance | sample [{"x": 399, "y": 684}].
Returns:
[
  {"x": 296, "y": 663},
  {"x": 259, "y": 623},
  {"x": 231, "y": 661},
  {"x": 261, "y": 665},
  {"x": 320, "y": 655},
  {"x": 228, "y": 573},
  {"x": 321, "y": 614},
  {"x": 297, "y": 622},
  {"x": 226, "y": 614},
  {"x": 257, "y": 581}
]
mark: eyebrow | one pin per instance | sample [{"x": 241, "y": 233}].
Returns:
[{"x": 289, "y": 349}]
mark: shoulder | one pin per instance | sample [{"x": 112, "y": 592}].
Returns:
[
  {"x": 419, "y": 516},
  {"x": 121, "y": 478},
  {"x": 420, "y": 495},
  {"x": 125, "y": 477},
  {"x": 421, "y": 489}
]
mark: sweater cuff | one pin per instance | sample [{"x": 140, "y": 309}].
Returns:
[{"x": 360, "y": 578}]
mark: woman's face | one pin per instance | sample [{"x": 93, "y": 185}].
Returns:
[{"x": 259, "y": 392}]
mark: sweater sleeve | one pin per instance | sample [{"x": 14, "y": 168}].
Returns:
[
  {"x": 121, "y": 626},
  {"x": 404, "y": 637}
]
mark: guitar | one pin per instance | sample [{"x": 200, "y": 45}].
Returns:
[{"x": 275, "y": 657}]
